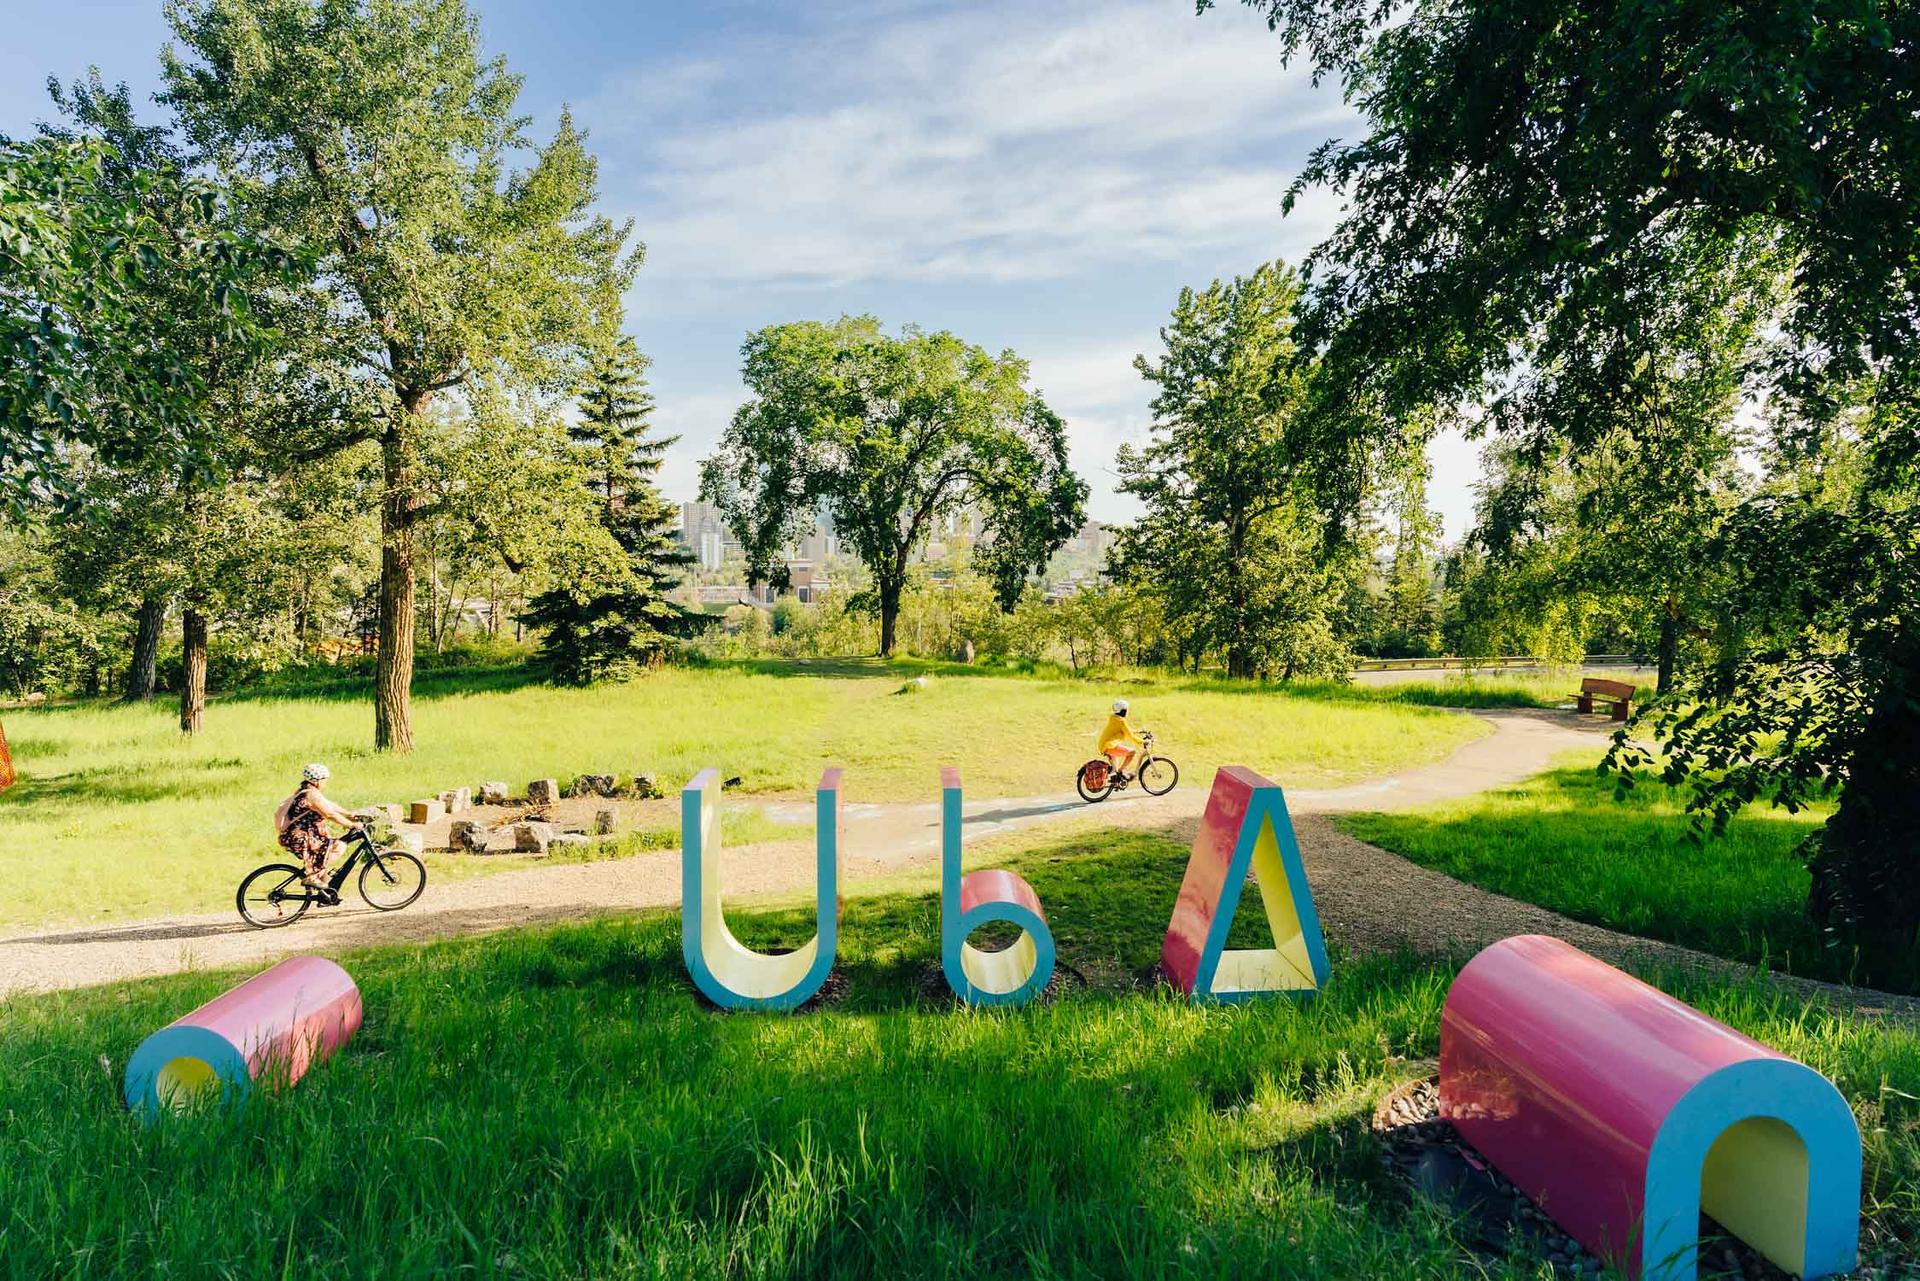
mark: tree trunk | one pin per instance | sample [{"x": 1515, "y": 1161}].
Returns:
[
  {"x": 1863, "y": 867},
  {"x": 1239, "y": 660},
  {"x": 193, "y": 670},
  {"x": 889, "y": 586},
  {"x": 393, "y": 663},
  {"x": 1669, "y": 645},
  {"x": 143, "y": 671}
]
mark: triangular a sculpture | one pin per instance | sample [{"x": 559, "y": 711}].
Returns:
[
  {"x": 1245, "y": 830},
  {"x": 7, "y": 776}
]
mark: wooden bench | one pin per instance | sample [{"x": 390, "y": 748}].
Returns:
[
  {"x": 1619, "y": 693},
  {"x": 1624, "y": 1113}
]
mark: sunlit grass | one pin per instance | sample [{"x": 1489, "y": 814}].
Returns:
[
  {"x": 558, "y": 1103},
  {"x": 118, "y": 817},
  {"x": 1562, "y": 841}
]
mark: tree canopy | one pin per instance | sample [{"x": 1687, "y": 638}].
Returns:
[
  {"x": 889, "y": 435},
  {"x": 375, "y": 132},
  {"x": 1231, "y": 538},
  {"x": 1538, "y": 183}
]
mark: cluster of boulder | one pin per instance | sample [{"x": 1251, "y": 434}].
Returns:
[{"x": 533, "y": 834}]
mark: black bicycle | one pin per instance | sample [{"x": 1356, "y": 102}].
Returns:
[{"x": 278, "y": 894}]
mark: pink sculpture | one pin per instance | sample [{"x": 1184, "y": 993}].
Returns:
[
  {"x": 1244, "y": 833},
  {"x": 269, "y": 1031},
  {"x": 1624, "y": 1113}
]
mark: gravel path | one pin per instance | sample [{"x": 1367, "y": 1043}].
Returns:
[{"x": 1368, "y": 898}]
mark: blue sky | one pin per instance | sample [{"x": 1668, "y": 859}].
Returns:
[{"x": 1042, "y": 175}]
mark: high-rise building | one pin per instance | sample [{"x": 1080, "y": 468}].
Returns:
[{"x": 704, "y": 532}]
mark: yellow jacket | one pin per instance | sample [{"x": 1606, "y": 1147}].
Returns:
[{"x": 1118, "y": 734}]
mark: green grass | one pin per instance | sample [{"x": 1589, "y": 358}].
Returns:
[
  {"x": 1560, "y": 840},
  {"x": 558, "y": 1103},
  {"x": 117, "y": 817}
]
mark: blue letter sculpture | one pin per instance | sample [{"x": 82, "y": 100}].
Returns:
[
  {"x": 726, "y": 972},
  {"x": 1015, "y": 974}
]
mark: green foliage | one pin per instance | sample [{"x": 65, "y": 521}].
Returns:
[
  {"x": 1552, "y": 191},
  {"x": 47, "y": 640},
  {"x": 374, "y": 132},
  {"x": 85, "y": 233},
  {"x": 610, "y": 620},
  {"x": 1230, "y": 540},
  {"x": 891, "y": 436}
]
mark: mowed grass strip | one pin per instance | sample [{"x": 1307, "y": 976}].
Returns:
[
  {"x": 558, "y": 1103},
  {"x": 1560, "y": 840},
  {"x": 117, "y": 817}
]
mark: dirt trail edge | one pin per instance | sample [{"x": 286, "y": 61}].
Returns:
[{"x": 1369, "y": 899}]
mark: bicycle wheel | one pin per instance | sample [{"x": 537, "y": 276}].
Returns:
[
  {"x": 272, "y": 896},
  {"x": 393, "y": 882},
  {"x": 1088, "y": 792},
  {"x": 1159, "y": 775}
]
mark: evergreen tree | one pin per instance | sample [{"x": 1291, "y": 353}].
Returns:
[{"x": 610, "y": 620}]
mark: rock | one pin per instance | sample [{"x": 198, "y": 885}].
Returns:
[
  {"x": 371, "y": 815},
  {"x": 966, "y": 652},
  {"x": 458, "y": 800},
  {"x": 411, "y": 842},
  {"x": 532, "y": 838},
  {"x": 543, "y": 791},
  {"x": 732, "y": 783},
  {"x": 426, "y": 811},
  {"x": 647, "y": 787},
  {"x": 604, "y": 822},
  {"x": 569, "y": 840},
  {"x": 493, "y": 793},
  {"x": 468, "y": 836},
  {"x": 593, "y": 785}
]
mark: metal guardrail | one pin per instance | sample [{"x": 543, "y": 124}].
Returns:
[{"x": 1507, "y": 660}]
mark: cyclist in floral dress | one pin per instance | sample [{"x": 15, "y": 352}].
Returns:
[{"x": 302, "y": 820}]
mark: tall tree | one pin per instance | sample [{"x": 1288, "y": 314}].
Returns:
[
  {"x": 1230, "y": 534},
  {"x": 891, "y": 436},
  {"x": 1527, "y": 166},
  {"x": 374, "y": 132},
  {"x": 156, "y": 510},
  {"x": 608, "y": 617}
]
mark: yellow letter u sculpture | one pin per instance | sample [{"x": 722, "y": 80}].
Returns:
[{"x": 727, "y": 972}]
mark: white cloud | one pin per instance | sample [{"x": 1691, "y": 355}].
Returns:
[{"x": 1001, "y": 143}]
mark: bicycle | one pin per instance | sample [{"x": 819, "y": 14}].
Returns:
[
  {"x": 277, "y": 894},
  {"x": 1100, "y": 778}
]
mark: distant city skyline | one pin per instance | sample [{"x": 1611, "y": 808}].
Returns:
[{"x": 1040, "y": 178}]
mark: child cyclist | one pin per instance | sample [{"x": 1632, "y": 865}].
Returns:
[{"x": 1118, "y": 741}]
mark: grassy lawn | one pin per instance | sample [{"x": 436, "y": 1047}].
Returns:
[
  {"x": 558, "y": 1103},
  {"x": 117, "y": 817},
  {"x": 1560, "y": 840}
]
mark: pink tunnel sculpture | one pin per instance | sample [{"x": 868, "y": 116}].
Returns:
[
  {"x": 1624, "y": 1113},
  {"x": 267, "y": 1031}
]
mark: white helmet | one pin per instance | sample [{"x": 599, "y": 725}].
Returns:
[
  {"x": 315, "y": 773},
  {"x": 1119, "y": 707}
]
